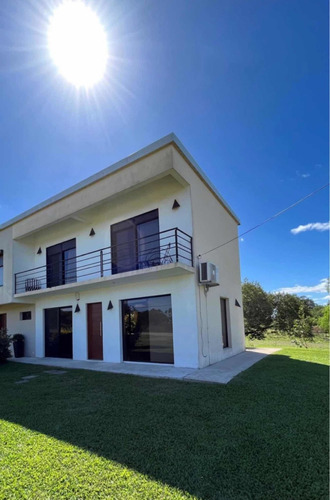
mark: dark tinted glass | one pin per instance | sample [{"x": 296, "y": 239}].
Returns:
[
  {"x": 135, "y": 243},
  {"x": 70, "y": 275},
  {"x": 148, "y": 244},
  {"x": 147, "y": 329},
  {"x": 58, "y": 332},
  {"x": 61, "y": 263},
  {"x": 224, "y": 323},
  {"x": 123, "y": 246},
  {"x": 25, "y": 315},
  {"x": 1, "y": 267}
]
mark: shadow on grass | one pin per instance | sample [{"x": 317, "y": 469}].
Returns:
[{"x": 262, "y": 436}]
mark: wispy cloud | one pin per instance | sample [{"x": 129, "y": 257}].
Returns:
[
  {"x": 322, "y": 300},
  {"x": 303, "y": 175},
  {"x": 321, "y": 287},
  {"x": 312, "y": 226},
  {"x": 241, "y": 239}
]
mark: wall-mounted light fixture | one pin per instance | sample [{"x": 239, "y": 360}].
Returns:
[
  {"x": 110, "y": 306},
  {"x": 237, "y": 303},
  {"x": 77, "y": 295},
  {"x": 77, "y": 309},
  {"x": 39, "y": 251},
  {"x": 91, "y": 232},
  {"x": 175, "y": 205}
]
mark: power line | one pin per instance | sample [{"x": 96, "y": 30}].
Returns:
[{"x": 267, "y": 220}]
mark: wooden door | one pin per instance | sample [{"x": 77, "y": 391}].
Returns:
[{"x": 95, "y": 332}]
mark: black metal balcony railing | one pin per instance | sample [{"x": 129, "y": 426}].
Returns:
[{"x": 165, "y": 247}]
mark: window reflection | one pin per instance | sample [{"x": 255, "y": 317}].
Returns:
[{"x": 147, "y": 329}]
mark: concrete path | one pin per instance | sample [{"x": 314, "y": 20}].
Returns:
[
  {"x": 219, "y": 373},
  {"x": 224, "y": 371}
]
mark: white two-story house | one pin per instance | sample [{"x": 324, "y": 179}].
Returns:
[{"x": 109, "y": 268}]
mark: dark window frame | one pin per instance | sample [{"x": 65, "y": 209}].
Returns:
[
  {"x": 225, "y": 322},
  {"x": 57, "y": 277},
  {"x": 63, "y": 345},
  {"x": 23, "y": 315},
  {"x": 132, "y": 224},
  {"x": 1, "y": 267},
  {"x": 123, "y": 339}
]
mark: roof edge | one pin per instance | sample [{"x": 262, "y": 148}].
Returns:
[
  {"x": 207, "y": 181},
  {"x": 138, "y": 155}
]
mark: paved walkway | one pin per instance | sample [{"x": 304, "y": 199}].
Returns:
[{"x": 219, "y": 373}]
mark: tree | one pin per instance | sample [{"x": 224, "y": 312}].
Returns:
[
  {"x": 286, "y": 311},
  {"x": 258, "y": 309},
  {"x": 309, "y": 305},
  {"x": 323, "y": 321},
  {"x": 5, "y": 341},
  {"x": 317, "y": 313},
  {"x": 302, "y": 328}
]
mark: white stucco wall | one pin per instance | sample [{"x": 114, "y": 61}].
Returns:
[
  {"x": 159, "y": 194},
  {"x": 181, "y": 289},
  {"x": 126, "y": 179},
  {"x": 16, "y": 325},
  {"x": 151, "y": 183},
  {"x": 6, "y": 245},
  {"x": 212, "y": 226}
]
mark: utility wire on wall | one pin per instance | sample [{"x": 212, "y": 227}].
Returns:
[{"x": 266, "y": 220}]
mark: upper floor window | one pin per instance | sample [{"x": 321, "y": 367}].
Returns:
[
  {"x": 135, "y": 243},
  {"x": 61, "y": 263},
  {"x": 1, "y": 267}
]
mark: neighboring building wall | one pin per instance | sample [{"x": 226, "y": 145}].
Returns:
[
  {"x": 213, "y": 225},
  {"x": 183, "y": 298}
]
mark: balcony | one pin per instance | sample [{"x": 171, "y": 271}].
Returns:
[{"x": 164, "y": 248}]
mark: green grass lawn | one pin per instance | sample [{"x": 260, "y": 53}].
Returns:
[
  {"x": 88, "y": 435},
  {"x": 274, "y": 339}
]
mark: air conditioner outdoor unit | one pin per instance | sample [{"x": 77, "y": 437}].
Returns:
[{"x": 208, "y": 274}]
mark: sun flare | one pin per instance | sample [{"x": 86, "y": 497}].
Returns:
[{"x": 78, "y": 43}]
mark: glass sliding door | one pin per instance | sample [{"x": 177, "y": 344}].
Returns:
[
  {"x": 148, "y": 243},
  {"x": 123, "y": 247},
  {"x": 54, "y": 266},
  {"x": 135, "y": 243},
  {"x": 148, "y": 330},
  {"x": 69, "y": 265},
  {"x": 58, "y": 332},
  {"x": 61, "y": 263}
]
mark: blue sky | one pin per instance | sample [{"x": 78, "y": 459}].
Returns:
[{"x": 243, "y": 84}]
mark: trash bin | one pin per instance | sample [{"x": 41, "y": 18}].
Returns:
[{"x": 18, "y": 344}]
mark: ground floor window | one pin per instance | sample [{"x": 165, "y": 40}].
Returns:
[
  {"x": 148, "y": 330},
  {"x": 58, "y": 332},
  {"x": 25, "y": 315},
  {"x": 224, "y": 322}
]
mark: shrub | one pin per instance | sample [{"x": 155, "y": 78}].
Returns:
[
  {"x": 302, "y": 330},
  {"x": 5, "y": 341}
]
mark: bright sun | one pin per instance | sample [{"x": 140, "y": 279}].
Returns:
[{"x": 78, "y": 43}]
